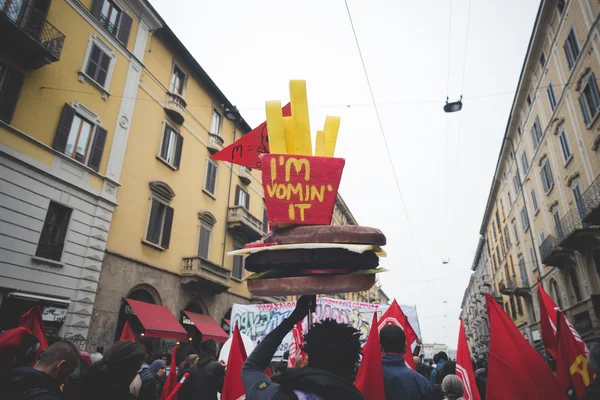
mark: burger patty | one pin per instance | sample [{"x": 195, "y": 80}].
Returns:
[
  {"x": 348, "y": 234},
  {"x": 314, "y": 259}
]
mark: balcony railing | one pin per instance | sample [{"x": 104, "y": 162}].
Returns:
[
  {"x": 199, "y": 268},
  {"x": 241, "y": 219},
  {"x": 591, "y": 202},
  {"x": 215, "y": 143},
  {"x": 569, "y": 224},
  {"x": 175, "y": 107},
  {"x": 26, "y": 33}
]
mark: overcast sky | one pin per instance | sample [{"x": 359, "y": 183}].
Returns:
[{"x": 445, "y": 164}]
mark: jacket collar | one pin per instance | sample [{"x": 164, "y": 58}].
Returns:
[
  {"x": 393, "y": 359},
  {"x": 319, "y": 382}
]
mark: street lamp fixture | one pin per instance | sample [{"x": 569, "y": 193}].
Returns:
[
  {"x": 455, "y": 106},
  {"x": 232, "y": 114}
]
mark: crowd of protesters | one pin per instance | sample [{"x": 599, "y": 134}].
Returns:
[{"x": 333, "y": 350}]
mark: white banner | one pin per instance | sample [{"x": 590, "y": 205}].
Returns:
[{"x": 258, "y": 320}]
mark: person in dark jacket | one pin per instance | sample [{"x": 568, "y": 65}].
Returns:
[
  {"x": 442, "y": 359},
  {"x": 207, "y": 375},
  {"x": 43, "y": 381},
  {"x": 333, "y": 350},
  {"x": 400, "y": 381},
  {"x": 186, "y": 367},
  {"x": 109, "y": 378},
  {"x": 152, "y": 381},
  {"x": 448, "y": 368},
  {"x": 593, "y": 391}
]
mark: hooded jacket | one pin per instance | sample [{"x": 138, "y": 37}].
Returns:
[
  {"x": 293, "y": 384},
  {"x": 206, "y": 379},
  {"x": 29, "y": 383}
]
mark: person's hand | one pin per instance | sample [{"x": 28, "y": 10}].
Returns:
[
  {"x": 304, "y": 305},
  {"x": 223, "y": 363}
]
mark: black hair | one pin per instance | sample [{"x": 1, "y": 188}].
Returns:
[
  {"x": 100, "y": 349},
  {"x": 448, "y": 368},
  {"x": 443, "y": 355},
  {"x": 333, "y": 347},
  {"x": 208, "y": 347},
  {"x": 392, "y": 339},
  {"x": 59, "y": 351},
  {"x": 121, "y": 362},
  {"x": 436, "y": 358}
]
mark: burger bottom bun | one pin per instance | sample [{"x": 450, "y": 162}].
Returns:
[{"x": 307, "y": 285}]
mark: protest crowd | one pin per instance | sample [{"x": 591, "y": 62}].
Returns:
[{"x": 327, "y": 362}]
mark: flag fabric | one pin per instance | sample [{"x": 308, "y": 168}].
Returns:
[
  {"x": 296, "y": 345},
  {"x": 395, "y": 316},
  {"x": 464, "y": 367},
  {"x": 573, "y": 371},
  {"x": 246, "y": 151},
  {"x": 10, "y": 341},
  {"x": 233, "y": 387},
  {"x": 171, "y": 381},
  {"x": 177, "y": 388},
  {"x": 369, "y": 379},
  {"x": 548, "y": 311},
  {"x": 32, "y": 320},
  {"x": 515, "y": 369},
  {"x": 127, "y": 333}
]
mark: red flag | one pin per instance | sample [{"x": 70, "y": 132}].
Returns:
[
  {"x": 177, "y": 388},
  {"x": 233, "y": 387},
  {"x": 572, "y": 368},
  {"x": 171, "y": 382},
  {"x": 32, "y": 320},
  {"x": 395, "y": 316},
  {"x": 127, "y": 333},
  {"x": 548, "y": 320},
  {"x": 464, "y": 367},
  {"x": 296, "y": 345},
  {"x": 369, "y": 379},
  {"x": 246, "y": 151},
  {"x": 515, "y": 369},
  {"x": 10, "y": 341}
]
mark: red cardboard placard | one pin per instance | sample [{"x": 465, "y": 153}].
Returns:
[{"x": 300, "y": 189}]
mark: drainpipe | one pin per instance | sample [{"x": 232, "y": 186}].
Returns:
[{"x": 231, "y": 115}]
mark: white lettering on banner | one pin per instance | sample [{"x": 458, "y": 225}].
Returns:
[
  {"x": 464, "y": 377},
  {"x": 258, "y": 320}
]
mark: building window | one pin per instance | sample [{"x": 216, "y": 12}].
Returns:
[
  {"x": 524, "y": 219},
  {"x": 109, "y": 16},
  {"x": 160, "y": 220},
  {"x": 11, "y": 82},
  {"x": 519, "y": 132},
  {"x": 204, "y": 241},
  {"x": 507, "y": 235},
  {"x": 534, "y": 201},
  {"x": 536, "y": 133},
  {"x": 98, "y": 64},
  {"x": 564, "y": 145},
  {"x": 210, "y": 182},
  {"x": 547, "y": 179},
  {"x": 242, "y": 198},
  {"x": 571, "y": 47},
  {"x": 581, "y": 209},
  {"x": 171, "y": 147},
  {"x": 557, "y": 225},
  {"x": 80, "y": 137},
  {"x": 113, "y": 19},
  {"x": 509, "y": 198},
  {"x": 215, "y": 123},
  {"x": 517, "y": 183},
  {"x": 529, "y": 100},
  {"x": 556, "y": 293},
  {"x": 513, "y": 308},
  {"x": 524, "y": 162},
  {"x": 519, "y": 306},
  {"x": 238, "y": 263},
  {"x": 532, "y": 258},
  {"x": 54, "y": 232},
  {"x": 575, "y": 284},
  {"x": 502, "y": 209},
  {"x": 589, "y": 100},
  {"x": 561, "y": 6},
  {"x": 494, "y": 230},
  {"x": 551, "y": 96},
  {"x": 542, "y": 236},
  {"x": 542, "y": 59},
  {"x": 502, "y": 245},
  {"x": 498, "y": 221},
  {"x": 516, "y": 232},
  {"x": 177, "y": 81}
]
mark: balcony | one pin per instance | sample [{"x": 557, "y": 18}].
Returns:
[
  {"x": 196, "y": 269},
  {"x": 175, "y": 107},
  {"x": 245, "y": 175},
  {"x": 554, "y": 255},
  {"x": 504, "y": 289},
  {"x": 241, "y": 220},
  {"x": 591, "y": 202},
  {"x": 27, "y": 36},
  {"x": 519, "y": 287},
  {"x": 497, "y": 296},
  {"x": 215, "y": 143},
  {"x": 573, "y": 229}
]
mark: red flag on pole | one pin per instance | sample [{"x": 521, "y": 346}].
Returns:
[
  {"x": 246, "y": 151},
  {"x": 127, "y": 333},
  {"x": 515, "y": 369},
  {"x": 572, "y": 369},
  {"x": 395, "y": 316},
  {"x": 233, "y": 387},
  {"x": 548, "y": 309},
  {"x": 296, "y": 345},
  {"x": 369, "y": 379},
  {"x": 171, "y": 382},
  {"x": 173, "y": 395},
  {"x": 464, "y": 367},
  {"x": 32, "y": 320}
]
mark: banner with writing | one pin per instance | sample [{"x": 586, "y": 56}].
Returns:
[{"x": 258, "y": 320}]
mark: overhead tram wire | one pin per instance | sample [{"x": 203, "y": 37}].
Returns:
[
  {"x": 387, "y": 148},
  {"x": 446, "y": 129}
]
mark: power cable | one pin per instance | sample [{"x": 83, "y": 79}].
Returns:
[
  {"x": 466, "y": 48},
  {"x": 389, "y": 154}
]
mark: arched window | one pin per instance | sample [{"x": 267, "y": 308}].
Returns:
[
  {"x": 556, "y": 293},
  {"x": 575, "y": 284},
  {"x": 142, "y": 295}
]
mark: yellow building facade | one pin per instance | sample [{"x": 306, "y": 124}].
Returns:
[{"x": 541, "y": 218}]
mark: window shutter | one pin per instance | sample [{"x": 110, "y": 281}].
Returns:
[
  {"x": 63, "y": 129},
  {"x": 124, "y": 29},
  {"x": 165, "y": 143},
  {"x": 584, "y": 110},
  {"x": 97, "y": 8},
  {"x": 9, "y": 93},
  {"x": 178, "y": 151},
  {"x": 166, "y": 236},
  {"x": 247, "y": 201},
  {"x": 237, "y": 195},
  {"x": 568, "y": 53},
  {"x": 97, "y": 148}
]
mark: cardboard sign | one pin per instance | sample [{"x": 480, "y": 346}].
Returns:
[
  {"x": 246, "y": 151},
  {"x": 300, "y": 189}
]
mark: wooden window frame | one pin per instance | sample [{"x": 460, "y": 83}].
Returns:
[
  {"x": 154, "y": 197},
  {"x": 176, "y": 66},
  {"x": 205, "y": 189},
  {"x": 209, "y": 230},
  {"x": 91, "y": 137},
  {"x": 175, "y": 163},
  {"x": 246, "y": 204},
  {"x": 94, "y": 40},
  {"x": 38, "y": 252},
  {"x": 219, "y": 127}
]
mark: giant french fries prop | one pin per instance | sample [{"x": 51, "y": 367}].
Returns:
[{"x": 300, "y": 186}]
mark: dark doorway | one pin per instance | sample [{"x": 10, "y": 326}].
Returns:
[{"x": 14, "y": 307}]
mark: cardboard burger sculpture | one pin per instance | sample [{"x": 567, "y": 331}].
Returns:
[{"x": 303, "y": 253}]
